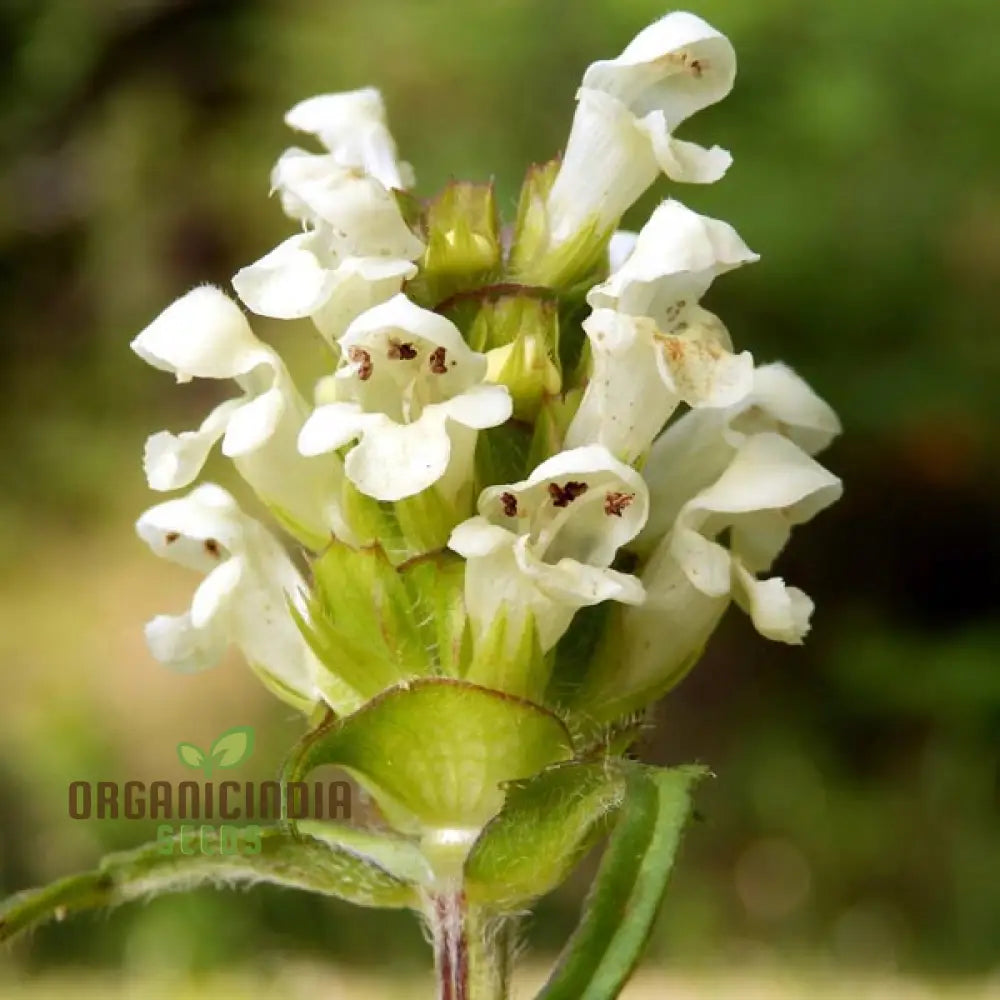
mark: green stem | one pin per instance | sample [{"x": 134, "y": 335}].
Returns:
[{"x": 472, "y": 957}]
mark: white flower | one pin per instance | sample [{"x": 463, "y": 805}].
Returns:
[
  {"x": 353, "y": 127},
  {"x": 243, "y": 600},
  {"x": 410, "y": 389},
  {"x": 653, "y": 346},
  {"x": 204, "y": 335},
  {"x": 622, "y": 134},
  {"x": 361, "y": 217},
  {"x": 770, "y": 486},
  {"x": 304, "y": 276},
  {"x": 542, "y": 547},
  {"x": 691, "y": 578},
  {"x": 693, "y": 452}
]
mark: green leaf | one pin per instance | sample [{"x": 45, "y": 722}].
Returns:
[
  {"x": 401, "y": 857},
  {"x": 622, "y": 904},
  {"x": 546, "y": 825},
  {"x": 434, "y": 753},
  {"x": 281, "y": 858},
  {"x": 232, "y": 747},
  {"x": 191, "y": 756}
]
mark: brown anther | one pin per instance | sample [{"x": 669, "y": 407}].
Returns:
[
  {"x": 563, "y": 496},
  {"x": 615, "y": 503},
  {"x": 509, "y": 502},
  {"x": 437, "y": 361},
  {"x": 172, "y": 537},
  {"x": 360, "y": 357},
  {"x": 400, "y": 351},
  {"x": 697, "y": 67},
  {"x": 213, "y": 548}
]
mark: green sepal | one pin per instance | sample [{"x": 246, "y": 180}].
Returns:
[
  {"x": 512, "y": 664},
  {"x": 546, "y": 826},
  {"x": 575, "y": 264},
  {"x": 519, "y": 333},
  {"x": 435, "y": 753},
  {"x": 283, "y": 858},
  {"x": 361, "y": 621},
  {"x": 551, "y": 423},
  {"x": 426, "y": 519},
  {"x": 624, "y": 899},
  {"x": 461, "y": 228},
  {"x": 436, "y": 584}
]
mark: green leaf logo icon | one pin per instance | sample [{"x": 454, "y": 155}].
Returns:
[
  {"x": 231, "y": 748},
  {"x": 191, "y": 756}
]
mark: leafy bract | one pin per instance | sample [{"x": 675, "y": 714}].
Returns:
[{"x": 434, "y": 753}]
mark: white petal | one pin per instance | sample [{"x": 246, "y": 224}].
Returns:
[
  {"x": 358, "y": 284},
  {"x": 678, "y": 65},
  {"x": 778, "y": 612},
  {"x": 480, "y": 406},
  {"x": 172, "y": 461},
  {"x": 620, "y": 247},
  {"x": 198, "y": 530},
  {"x": 254, "y": 423},
  {"x": 477, "y": 537},
  {"x": 393, "y": 461},
  {"x": 217, "y": 592},
  {"x": 330, "y": 427},
  {"x": 400, "y": 314},
  {"x": 677, "y": 256},
  {"x": 609, "y": 162},
  {"x": 177, "y": 644},
  {"x": 362, "y": 215},
  {"x": 289, "y": 282},
  {"x": 626, "y": 403},
  {"x": 353, "y": 127},
  {"x": 789, "y": 406},
  {"x": 201, "y": 335},
  {"x": 684, "y": 162}
]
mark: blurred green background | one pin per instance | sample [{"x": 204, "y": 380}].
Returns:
[{"x": 855, "y": 820}]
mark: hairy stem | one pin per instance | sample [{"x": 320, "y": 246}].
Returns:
[{"x": 471, "y": 958}]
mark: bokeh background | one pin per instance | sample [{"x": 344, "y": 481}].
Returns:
[{"x": 854, "y": 826}]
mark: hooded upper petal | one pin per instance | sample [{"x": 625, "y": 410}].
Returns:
[{"x": 353, "y": 127}]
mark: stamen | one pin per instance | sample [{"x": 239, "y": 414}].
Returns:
[
  {"x": 615, "y": 503},
  {"x": 360, "y": 357},
  {"x": 400, "y": 351},
  {"x": 437, "y": 361},
  {"x": 563, "y": 496},
  {"x": 509, "y": 502}
]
